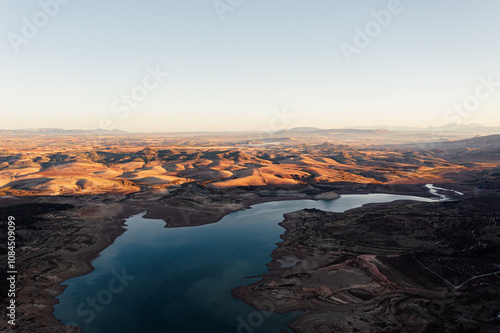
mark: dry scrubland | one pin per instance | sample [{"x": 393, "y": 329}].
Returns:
[
  {"x": 349, "y": 271},
  {"x": 407, "y": 267},
  {"x": 64, "y": 166}
]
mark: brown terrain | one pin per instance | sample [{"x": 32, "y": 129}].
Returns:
[
  {"x": 70, "y": 195},
  {"x": 65, "y": 166},
  {"x": 414, "y": 267}
]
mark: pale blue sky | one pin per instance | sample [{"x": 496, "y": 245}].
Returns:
[{"x": 265, "y": 55}]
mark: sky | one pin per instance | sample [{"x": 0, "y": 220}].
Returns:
[{"x": 240, "y": 65}]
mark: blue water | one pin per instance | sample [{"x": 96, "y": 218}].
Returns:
[{"x": 180, "y": 279}]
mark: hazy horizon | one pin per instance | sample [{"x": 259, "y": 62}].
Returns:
[
  {"x": 248, "y": 66},
  {"x": 368, "y": 127}
]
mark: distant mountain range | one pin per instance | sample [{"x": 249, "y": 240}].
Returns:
[
  {"x": 458, "y": 128},
  {"x": 480, "y": 142},
  {"x": 336, "y": 130},
  {"x": 447, "y": 128},
  {"x": 59, "y": 131}
]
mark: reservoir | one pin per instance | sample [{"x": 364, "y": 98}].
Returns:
[{"x": 179, "y": 280}]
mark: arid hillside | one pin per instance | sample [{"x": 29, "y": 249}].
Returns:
[{"x": 45, "y": 166}]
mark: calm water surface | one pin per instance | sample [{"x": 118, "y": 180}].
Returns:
[{"x": 154, "y": 279}]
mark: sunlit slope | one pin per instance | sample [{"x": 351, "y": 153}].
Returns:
[{"x": 61, "y": 170}]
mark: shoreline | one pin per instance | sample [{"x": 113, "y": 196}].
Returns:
[
  {"x": 104, "y": 233},
  {"x": 306, "y": 277}
]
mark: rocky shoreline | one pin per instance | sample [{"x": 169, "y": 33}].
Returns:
[
  {"x": 363, "y": 270},
  {"x": 62, "y": 245}
]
